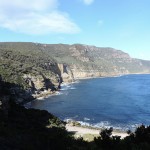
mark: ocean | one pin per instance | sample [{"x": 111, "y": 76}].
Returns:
[{"x": 120, "y": 102}]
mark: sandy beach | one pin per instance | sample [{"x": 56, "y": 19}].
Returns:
[{"x": 81, "y": 131}]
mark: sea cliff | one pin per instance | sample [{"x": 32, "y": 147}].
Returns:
[{"x": 40, "y": 69}]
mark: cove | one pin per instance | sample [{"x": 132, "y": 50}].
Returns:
[{"x": 118, "y": 102}]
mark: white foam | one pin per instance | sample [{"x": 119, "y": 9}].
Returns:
[
  {"x": 65, "y": 87},
  {"x": 105, "y": 124},
  {"x": 68, "y": 120},
  {"x": 55, "y": 94},
  {"x": 101, "y": 124},
  {"x": 40, "y": 98},
  {"x": 58, "y": 93},
  {"x": 84, "y": 123},
  {"x": 77, "y": 81},
  {"x": 72, "y": 88},
  {"x": 64, "y": 84},
  {"x": 86, "y": 119}
]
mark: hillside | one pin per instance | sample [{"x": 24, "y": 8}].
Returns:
[
  {"x": 41, "y": 68},
  {"x": 31, "y": 69},
  {"x": 88, "y": 61},
  {"x": 33, "y": 129}
]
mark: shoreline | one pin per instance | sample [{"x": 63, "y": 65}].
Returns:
[
  {"x": 83, "y": 131},
  {"x": 80, "y": 130},
  {"x": 111, "y": 76},
  {"x": 48, "y": 94}
]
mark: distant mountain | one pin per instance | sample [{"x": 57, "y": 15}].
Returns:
[
  {"x": 88, "y": 61},
  {"x": 41, "y": 68}
]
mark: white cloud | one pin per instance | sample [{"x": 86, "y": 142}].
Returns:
[
  {"x": 32, "y": 5},
  {"x": 35, "y": 17},
  {"x": 88, "y": 2}
]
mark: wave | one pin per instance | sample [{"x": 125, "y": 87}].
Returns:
[
  {"x": 104, "y": 124},
  {"x": 55, "y": 94},
  {"x": 77, "y": 81},
  {"x": 58, "y": 93},
  {"x": 86, "y": 119},
  {"x": 72, "y": 88},
  {"x": 65, "y": 87},
  {"x": 71, "y": 119}
]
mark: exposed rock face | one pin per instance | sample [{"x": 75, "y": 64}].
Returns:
[
  {"x": 41, "y": 68},
  {"x": 66, "y": 73},
  {"x": 91, "y": 61},
  {"x": 44, "y": 84}
]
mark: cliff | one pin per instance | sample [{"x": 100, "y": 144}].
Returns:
[
  {"x": 41, "y": 68},
  {"x": 91, "y": 61},
  {"x": 28, "y": 66}
]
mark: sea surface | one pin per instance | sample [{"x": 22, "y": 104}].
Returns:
[{"x": 119, "y": 102}]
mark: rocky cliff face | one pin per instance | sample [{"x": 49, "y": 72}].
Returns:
[
  {"x": 66, "y": 73},
  {"x": 41, "y": 68},
  {"x": 91, "y": 61},
  {"x": 32, "y": 69}
]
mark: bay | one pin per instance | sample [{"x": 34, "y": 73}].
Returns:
[{"x": 119, "y": 102}]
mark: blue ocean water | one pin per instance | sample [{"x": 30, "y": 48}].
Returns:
[{"x": 119, "y": 102}]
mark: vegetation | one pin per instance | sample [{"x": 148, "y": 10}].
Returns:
[
  {"x": 28, "y": 66},
  {"x": 18, "y": 59},
  {"x": 27, "y": 129},
  {"x": 31, "y": 129},
  {"x": 139, "y": 140},
  {"x": 37, "y": 129}
]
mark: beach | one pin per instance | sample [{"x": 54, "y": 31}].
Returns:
[{"x": 86, "y": 132}]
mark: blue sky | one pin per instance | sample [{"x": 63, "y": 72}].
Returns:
[{"x": 123, "y": 25}]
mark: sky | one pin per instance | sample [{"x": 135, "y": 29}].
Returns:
[{"x": 120, "y": 24}]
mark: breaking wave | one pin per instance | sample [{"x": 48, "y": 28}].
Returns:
[{"x": 104, "y": 124}]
